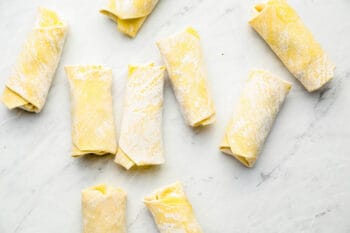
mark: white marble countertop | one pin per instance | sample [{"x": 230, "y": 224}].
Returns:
[{"x": 299, "y": 184}]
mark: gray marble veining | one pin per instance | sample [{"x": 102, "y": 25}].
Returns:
[{"x": 299, "y": 184}]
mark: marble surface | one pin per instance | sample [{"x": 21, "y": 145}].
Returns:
[{"x": 299, "y": 184}]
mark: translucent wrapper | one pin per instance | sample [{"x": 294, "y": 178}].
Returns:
[
  {"x": 183, "y": 57},
  {"x": 129, "y": 14},
  {"x": 140, "y": 141},
  {"x": 283, "y": 30},
  {"x": 255, "y": 114},
  {"x": 31, "y": 78},
  {"x": 103, "y": 209},
  {"x": 93, "y": 128},
  {"x": 172, "y": 211}
]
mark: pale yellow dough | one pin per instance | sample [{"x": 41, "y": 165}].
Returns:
[
  {"x": 129, "y": 14},
  {"x": 103, "y": 209},
  {"x": 172, "y": 211},
  {"x": 255, "y": 114},
  {"x": 183, "y": 57},
  {"x": 93, "y": 128},
  {"x": 31, "y": 78},
  {"x": 140, "y": 141},
  {"x": 283, "y": 30}
]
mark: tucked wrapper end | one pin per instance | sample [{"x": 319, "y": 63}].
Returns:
[
  {"x": 103, "y": 209},
  {"x": 255, "y": 114},
  {"x": 93, "y": 128},
  {"x": 283, "y": 30},
  {"x": 141, "y": 142},
  {"x": 183, "y": 57},
  {"x": 31, "y": 78},
  {"x": 171, "y": 210},
  {"x": 129, "y": 15}
]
